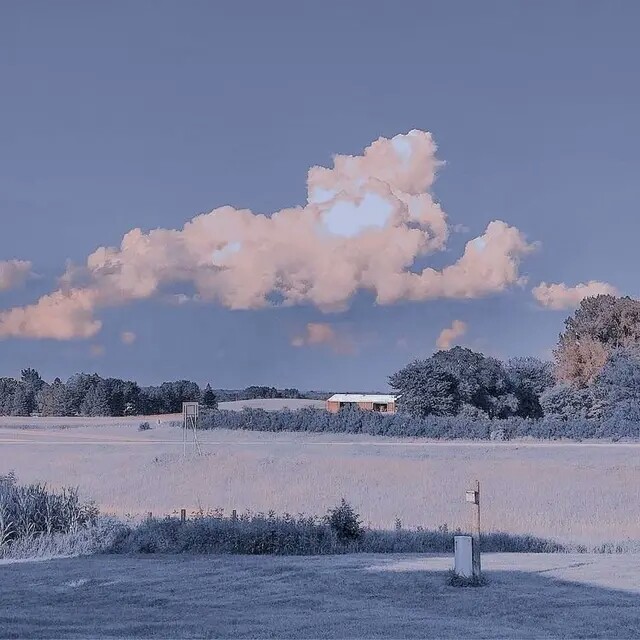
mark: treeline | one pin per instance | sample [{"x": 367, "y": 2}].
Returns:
[
  {"x": 595, "y": 375},
  {"x": 91, "y": 395},
  {"x": 259, "y": 392}
]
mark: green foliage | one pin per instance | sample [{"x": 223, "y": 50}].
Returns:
[
  {"x": 31, "y": 510},
  {"x": 567, "y": 402},
  {"x": 454, "y": 381},
  {"x": 617, "y": 387},
  {"x": 96, "y": 537},
  {"x": 209, "y": 399},
  {"x": 260, "y": 534},
  {"x": 483, "y": 382},
  {"x": 55, "y": 400},
  {"x": 95, "y": 402},
  {"x": 614, "y": 322},
  {"x": 599, "y": 325},
  {"x": 345, "y": 522},
  {"x": 529, "y": 378},
  {"x": 426, "y": 388}
]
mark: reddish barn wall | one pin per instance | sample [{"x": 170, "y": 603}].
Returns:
[{"x": 334, "y": 407}]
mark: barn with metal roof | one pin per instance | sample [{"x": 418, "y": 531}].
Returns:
[{"x": 384, "y": 403}]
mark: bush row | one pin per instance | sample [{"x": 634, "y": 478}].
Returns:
[
  {"x": 401, "y": 425},
  {"x": 258, "y": 534}
]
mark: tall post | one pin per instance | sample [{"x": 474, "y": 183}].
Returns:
[{"x": 477, "y": 569}]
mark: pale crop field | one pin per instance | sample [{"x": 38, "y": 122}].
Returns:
[{"x": 581, "y": 493}]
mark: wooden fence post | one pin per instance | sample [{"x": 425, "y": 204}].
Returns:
[{"x": 477, "y": 570}]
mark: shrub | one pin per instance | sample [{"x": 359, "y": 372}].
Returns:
[
  {"x": 261, "y": 534},
  {"x": 144, "y": 426},
  {"x": 345, "y": 522}
]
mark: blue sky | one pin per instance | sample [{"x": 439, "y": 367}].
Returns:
[{"x": 122, "y": 115}]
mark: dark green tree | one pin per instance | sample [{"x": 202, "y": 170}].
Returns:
[
  {"x": 209, "y": 399},
  {"x": 530, "y": 378},
  {"x": 33, "y": 383},
  {"x": 96, "y": 402},
  {"x": 426, "y": 388},
  {"x": 54, "y": 400}
]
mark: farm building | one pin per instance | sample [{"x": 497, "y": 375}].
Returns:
[{"x": 371, "y": 401}]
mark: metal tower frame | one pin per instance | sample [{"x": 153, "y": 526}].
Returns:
[{"x": 190, "y": 416}]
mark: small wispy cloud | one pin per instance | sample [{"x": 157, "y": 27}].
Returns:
[
  {"x": 97, "y": 350},
  {"x": 128, "y": 337},
  {"x": 449, "y": 335},
  {"x": 322, "y": 333}
]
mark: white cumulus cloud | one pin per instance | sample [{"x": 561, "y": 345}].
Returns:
[
  {"x": 13, "y": 273},
  {"x": 562, "y": 296},
  {"x": 367, "y": 220}
]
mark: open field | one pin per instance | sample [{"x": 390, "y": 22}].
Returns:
[
  {"x": 581, "y": 493},
  {"x": 541, "y": 596}
]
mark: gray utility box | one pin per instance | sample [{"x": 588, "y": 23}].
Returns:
[{"x": 463, "y": 551}]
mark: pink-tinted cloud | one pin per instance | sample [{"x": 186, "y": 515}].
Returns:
[
  {"x": 561, "y": 296},
  {"x": 366, "y": 221},
  {"x": 13, "y": 273},
  {"x": 61, "y": 315},
  {"x": 322, "y": 333},
  {"x": 97, "y": 350},
  {"x": 128, "y": 337},
  {"x": 448, "y": 336}
]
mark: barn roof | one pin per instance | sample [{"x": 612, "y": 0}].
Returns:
[{"x": 363, "y": 397}]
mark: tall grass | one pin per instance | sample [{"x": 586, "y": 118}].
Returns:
[
  {"x": 29, "y": 511},
  {"x": 95, "y": 538}
]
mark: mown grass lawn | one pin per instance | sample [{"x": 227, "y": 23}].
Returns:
[{"x": 373, "y": 596}]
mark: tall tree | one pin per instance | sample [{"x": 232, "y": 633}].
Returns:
[
  {"x": 78, "y": 387},
  {"x": 209, "y": 399},
  {"x": 8, "y": 390},
  {"x": 483, "y": 382},
  {"x": 530, "y": 378},
  {"x": 32, "y": 382},
  {"x": 426, "y": 388},
  {"x": 96, "y": 402},
  {"x": 54, "y": 400},
  {"x": 617, "y": 386},
  {"x": 599, "y": 325},
  {"x": 22, "y": 403}
]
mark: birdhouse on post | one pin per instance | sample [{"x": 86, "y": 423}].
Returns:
[{"x": 467, "y": 548}]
